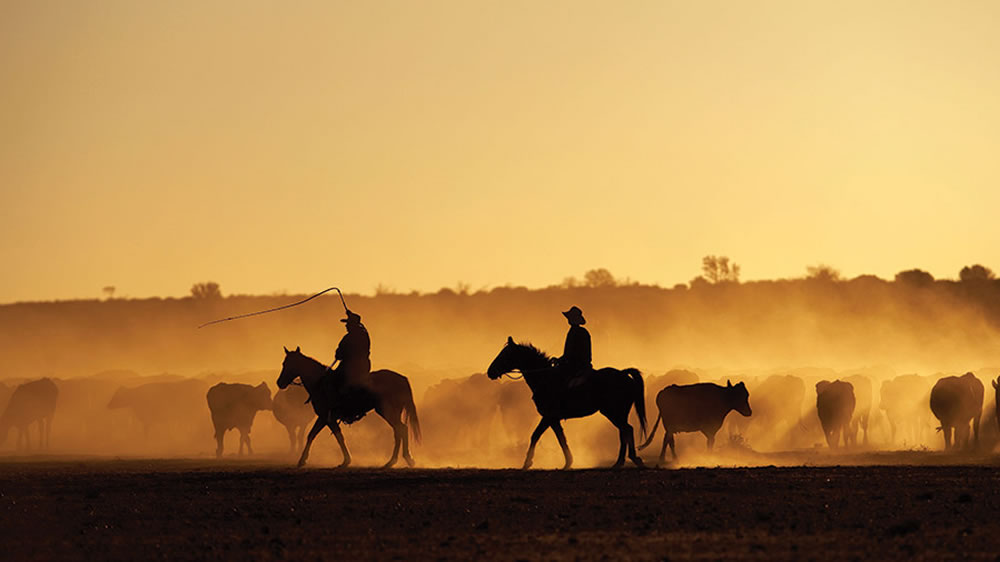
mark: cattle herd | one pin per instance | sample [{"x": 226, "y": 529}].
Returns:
[{"x": 780, "y": 412}]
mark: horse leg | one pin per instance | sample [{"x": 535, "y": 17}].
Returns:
[
  {"x": 561, "y": 437},
  {"x": 396, "y": 442},
  {"x": 630, "y": 437},
  {"x": 335, "y": 427},
  {"x": 543, "y": 424},
  {"x": 316, "y": 428}
]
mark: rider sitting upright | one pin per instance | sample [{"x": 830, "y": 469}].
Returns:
[
  {"x": 576, "y": 359},
  {"x": 351, "y": 378}
]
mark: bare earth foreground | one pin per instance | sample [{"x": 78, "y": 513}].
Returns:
[{"x": 197, "y": 509}]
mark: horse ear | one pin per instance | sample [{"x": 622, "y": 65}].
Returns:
[
  {"x": 729, "y": 383},
  {"x": 510, "y": 340},
  {"x": 297, "y": 349},
  {"x": 286, "y": 349}
]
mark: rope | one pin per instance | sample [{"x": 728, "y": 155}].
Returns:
[{"x": 277, "y": 308}]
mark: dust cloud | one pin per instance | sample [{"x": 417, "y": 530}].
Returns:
[{"x": 133, "y": 374}]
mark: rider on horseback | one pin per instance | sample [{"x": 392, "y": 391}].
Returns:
[
  {"x": 351, "y": 378},
  {"x": 576, "y": 360}
]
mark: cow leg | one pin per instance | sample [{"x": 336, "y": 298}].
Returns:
[
  {"x": 663, "y": 449},
  {"x": 316, "y": 428},
  {"x": 711, "y": 440},
  {"x": 561, "y": 437},
  {"x": 291, "y": 438},
  {"x": 543, "y": 424},
  {"x": 947, "y": 436},
  {"x": 245, "y": 436},
  {"x": 220, "y": 435}
]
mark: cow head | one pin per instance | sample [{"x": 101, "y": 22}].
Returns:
[
  {"x": 262, "y": 397},
  {"x": 739, "y": 398}
]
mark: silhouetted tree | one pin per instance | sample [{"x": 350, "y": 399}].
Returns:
[
  {"x": 569, "y": 283},
  {"x": 915, "y": 278},
  {"x": 822, "y": 272},
  {"x": 206, "y": 290},
  {"x": 109, "y": 292},
  {"x": 717, "y": 269},
  {"x": 975, "y": 273},
  {"x": 599, "y": 278}
]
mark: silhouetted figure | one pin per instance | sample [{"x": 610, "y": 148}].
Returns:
[
  {"x": 576, "y": 359},
  {"x": 610, "y": 391},
  {"x": 31, "y": 402},
  {"x": 996, "y": 387},
  {"x": 292, "y": 410},
  {"x": 391, "y": 391},
  {"x": 696, "y": 407},
  {"x": 904, "y": 399},
  {"x": 956, "y": 401},
  {"x": 234, "y": 406},
  {"x": 862, "y": 408},
  {"x": 835, "y": 408},
  {"x": 160, "y": 403},
  {"x": 350, "y": 379}
]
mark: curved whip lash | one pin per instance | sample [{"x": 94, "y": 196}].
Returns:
[{"x": 278, "y": 308}]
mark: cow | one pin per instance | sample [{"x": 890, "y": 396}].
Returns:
[
  {"x": 862, "y": 409},
  {"x": 835, "y": 407},
  {"x": 777, "y": 411},
  {"x": 160, "y": 403},
  {"x": 31, "y": 402},
  {"x": 956, "y": 401},
  {"x": 696, "y": 407},
  {"x": 291, "y": 408},
  {"x": 903, "y": 400},
  {"x": 234, "y": 406}
]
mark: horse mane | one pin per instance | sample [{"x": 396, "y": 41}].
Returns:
[{"x": 530, "y": 347}]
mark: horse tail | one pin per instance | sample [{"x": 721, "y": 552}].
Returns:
[
  {"x": 652, "y": 434},
  {"x": 411, "y": 413},
  {"x": 639, "y": 397}
]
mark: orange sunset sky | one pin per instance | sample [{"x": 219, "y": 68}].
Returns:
[{"x": 276, "y": 146}]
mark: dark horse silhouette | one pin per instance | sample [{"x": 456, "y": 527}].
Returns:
[
  {"x": 611, "y": 392},
  {"x": 390, "y": 390}
]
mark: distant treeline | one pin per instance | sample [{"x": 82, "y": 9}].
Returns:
[{"x": 911, "y": 323}]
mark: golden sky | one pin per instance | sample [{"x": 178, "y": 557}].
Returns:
[{"x": 273, "y": 146}]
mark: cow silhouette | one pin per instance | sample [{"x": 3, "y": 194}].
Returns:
[
  {"x": 904, "y": 399},
  {"x": 956, "y": 401},
  {"x": 30, "y": 402},
  {"x": 862, "y": 408},
  {"x": 292, "y": 410},
  {"x": 160, "y": 403},
  {"x": 235, "y": 406},
  {"x": 696, "y": 407},
  {"x": 835, "y": 407},
  {"x": 996, "y": 387}
]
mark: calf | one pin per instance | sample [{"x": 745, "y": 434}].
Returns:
[
  {"x": 835, "y": 408},
  {"x": 956, "y": 401},
  {"x": 31, "y": 402},
  {"x": 234, "y": 406},
  {"x": 696, "y": 407}
]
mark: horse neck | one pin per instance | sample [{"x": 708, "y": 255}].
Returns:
[
  {"x": 311, "y": 373},
  {"x": 536, "y": 365}
]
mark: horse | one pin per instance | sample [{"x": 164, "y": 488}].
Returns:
[
  {"x": 612, "y": 392},
  {"x": 391, "y": 392}
]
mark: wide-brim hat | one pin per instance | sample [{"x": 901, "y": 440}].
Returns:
[
  {"x": 575, "y": 316},
  {"x": 351, "y": 317}
]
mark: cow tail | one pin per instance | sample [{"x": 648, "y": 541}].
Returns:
[
  {"x": 411, "y": 413},
  {"x": 652, "y": 434},
  {"x": 639, "y": 397}
]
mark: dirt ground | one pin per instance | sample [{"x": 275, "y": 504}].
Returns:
[{"x": 66, "y": 509}]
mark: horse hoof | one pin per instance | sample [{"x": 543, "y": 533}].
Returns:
[
  {"x": 638, "y": 462},
  {"x": 300, "y": 464},
  {"x": 526, "y": 466},
  {"x": 618, "y": 465}
]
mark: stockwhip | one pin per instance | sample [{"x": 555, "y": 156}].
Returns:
[{"x": 278, "y": 308}]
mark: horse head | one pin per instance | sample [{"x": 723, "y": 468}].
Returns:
[
  {"x": 516, "y": 357},
  {"x": 290, "y": 367}
]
